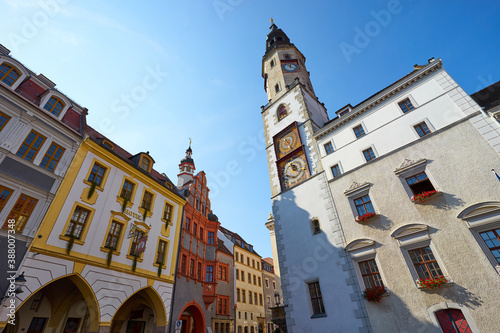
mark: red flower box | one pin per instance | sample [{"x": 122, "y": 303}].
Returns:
[
  {"x": 432, "y": 283},
  {"x": 374, "y": 294},
  {"x": 422, "y": 196},
  {"x": 364, "y": 217}
]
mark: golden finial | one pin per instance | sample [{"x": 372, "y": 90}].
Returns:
[
  {"x": 272, "y": 21},
  {"x": 190, "y": 142}
]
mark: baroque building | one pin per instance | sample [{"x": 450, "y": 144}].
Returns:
[
  {"x": 393, "y": 195},
  {"x": 204, "y": 290},
  {"x": 249, "y": 305}
]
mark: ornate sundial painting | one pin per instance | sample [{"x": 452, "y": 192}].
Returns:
[
  {"x": 293, "y": 170},
  {"x": 287, "y": 141}
]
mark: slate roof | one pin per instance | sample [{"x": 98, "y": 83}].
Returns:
[{"x": 488, "y": 97}]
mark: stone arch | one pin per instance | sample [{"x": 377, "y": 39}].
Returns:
[
  {"x": 147, "y": 297},
  {"x": 197, "y": 313},
  {"x": 59, "y": 306},
  {"x": 432, "y": 310}
]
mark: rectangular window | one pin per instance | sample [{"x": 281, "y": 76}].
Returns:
[
  {"x": 274, "y": 285},
  {"x": 195, "y": 228},
  {"x": 238, "y": 299},
  {"x": 224, "y": 274},
  {"x": 211, "y": 237},
  {"x": 253, "y": 263},
  {"x": 201, "y": 233},
  {"x": 267, "y": 283},
  {"x": 183, "y": 264},
  {"x": 250, "y": 299},
  {"x": 249, "y": 278},
  {"x": 210, "y": 273},
  {"x": 243, "y": 296},
  {"x": 492, "y": 240},
  {"x": 188, "y": 223},
  {"x": 335, "y": 170},
  {"x": 258, "y": 265},
  {"x": 31, "y": 146},
  {"x": 260, "y": 299},
  {"x": 255, "y": 298},
  {"x": 364, "y": 205},
  {"x": 4, "y": 196},
  {"x": 248, "y": 261},
  {"x": 237, "y": 274},
  {"x": 199, "y": 271},
  {"x": 368, "y": 154},
  {"x": 127, "y": 189},
  {"x": 160, "y": 252},
  {"x": 113, "y": 235},
  {"x": 21, "y": 212},
  {"x": 78, "y": 222},
  {"x": 219, "y": 273},
  {"x": 254, "y": 280},
  {"x": 260, "y": 282},
  {"x": 242, "y": 276},
  {"x": 328, "y": 148},
  {"x": 52, "y": 157},
  {"x": 268, "y": 300},
  {"x": 422, "y": 129},
  {"x": 405, "y": 105},
  {"x": 191, "y": 268},
  {"x": 4, "y": 119},
  {"x": 167, "y": 213},
  {"x": 425, "y": 263},
  {"x": 419, "y": 183},
  {"x": 316, "y": 298},
  {"x": 225, "y": 309},
  {"x": 369, "y": 272},
  {"x": 146, "y": 200},
  {"x": 138, "y": 234},
  {"x": 359, "y": 131},
  {"x": 219, "y": 303},
  {"x": 96, "y": 174}
]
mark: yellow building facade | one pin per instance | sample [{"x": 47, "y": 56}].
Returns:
[{"x": 104, "y": 257}]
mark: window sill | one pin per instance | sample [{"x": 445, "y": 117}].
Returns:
[
  {"x": 76, "y": 241},
  {"x": 319, "y": 315},
  {"x": 120, "y": 201},
  {"x": 106, "y": 250},
  {"x": 359, "y": 219},
  {"x": 139, "y": 259},
  {"x": 427, "y": 199},
  {"x": 98, "y": 187},
  {"x": 148, "y": 214},
  {"x": 497, "y": 267},
  {"x": 448, "y": 284}
]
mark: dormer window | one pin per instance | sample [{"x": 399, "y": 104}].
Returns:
[
  {"x": 54, "y": 105},
  {"x": 145, "y": 163},
  {"x": 341, "y": 113},
  {"x": 9, "y": 74},
  {"x": 108, "y": 144}
]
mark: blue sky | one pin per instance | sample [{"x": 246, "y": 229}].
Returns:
[{"x": 155, "y": 73}]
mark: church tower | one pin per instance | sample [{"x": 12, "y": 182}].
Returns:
[
  {"x": 186, "y": 168},
  {"x": 309, "y": 237}
]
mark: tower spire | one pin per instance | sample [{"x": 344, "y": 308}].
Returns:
[{"x": 186, "y": 168}]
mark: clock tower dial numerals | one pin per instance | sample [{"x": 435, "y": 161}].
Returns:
[
  {"x": 288, "y": 142},
  {"x": 294, "y": 171}
]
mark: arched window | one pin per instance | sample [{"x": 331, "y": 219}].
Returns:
[
  {"x": 8, "y": 74},
  {"x": 54, "y": 106},
  {"x": 282, "y": 113}
]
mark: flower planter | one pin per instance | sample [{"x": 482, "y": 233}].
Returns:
[
  {"x": 432, "y": 283},
  {"x": 421, "y": 197},
  {"x": 374, "y": 294},
  {"x": 364, "y": 217}
]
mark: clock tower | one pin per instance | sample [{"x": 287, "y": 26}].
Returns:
[{"x": 309, "y": 237}]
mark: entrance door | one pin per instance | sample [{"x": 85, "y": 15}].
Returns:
[
  {"x": 37, "y": 325},
  {"x": 185, "y": 324},
  {"x": 135, "y": 326},
  {"x": 453, "y": 321}
]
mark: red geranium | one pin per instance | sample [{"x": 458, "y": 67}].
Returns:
[
  {"x": 364, "y": 217},
  {"x": 374, "y": 294}
]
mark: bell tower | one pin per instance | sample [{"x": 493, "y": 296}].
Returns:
[
  {"x": 282, "y": 64},
  {"x": 186, "y": 168},
  {"x": 292, "y": 115}
]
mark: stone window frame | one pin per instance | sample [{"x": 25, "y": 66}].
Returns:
[
  {"x": 410, "y": 98},
  {"x": 431, "y": 311},
  {"x": 411, "y": 168},
  {"x": 479, "y": 218},
  {"x": 356, "y": 191},
  {"x": 362, "y": 250},
  {"x": 414, "y": 236}
]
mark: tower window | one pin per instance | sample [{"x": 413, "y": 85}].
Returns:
[
  {"x": 282, "y": 113},
  {"x": 287, "y": 56},
  {"x": 277, "y": 87},
  {"x": 273, "y": 63}
]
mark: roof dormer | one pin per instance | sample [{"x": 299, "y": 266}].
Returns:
[
  {"x": 55, "y": 103},
  {"x": 144, "y": 161},
  {"x": 12, "y": 73},
  {"x": 343, "y": 111}
]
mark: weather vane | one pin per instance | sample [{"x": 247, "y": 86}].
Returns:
[
  {"x": 272, "y": 21},
  {"x": 190, "y": 142}
]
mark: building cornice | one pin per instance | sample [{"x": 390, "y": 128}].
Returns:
[{"x": 380, "y": 97}]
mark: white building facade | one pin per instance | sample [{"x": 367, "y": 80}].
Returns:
[{"x": 393, "y": 190}]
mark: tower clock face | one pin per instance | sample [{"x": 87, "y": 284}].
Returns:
[
  {"x": 294, "y": 170},
  {"x": 288, "y": 142},
  {"x": 290, "y": 67}
]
